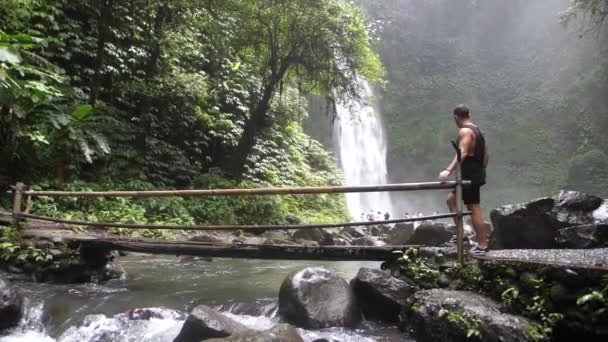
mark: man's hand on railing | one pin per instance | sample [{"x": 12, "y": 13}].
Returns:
[{"x": 444, "y": 175}]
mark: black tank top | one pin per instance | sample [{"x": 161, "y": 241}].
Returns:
[{"x": 473, "y": 167}]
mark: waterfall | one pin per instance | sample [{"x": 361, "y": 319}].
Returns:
[{"x": 361, "y": 149}]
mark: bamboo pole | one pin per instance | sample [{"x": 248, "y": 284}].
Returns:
[
  {"x": 253, "y": 192},
  {"x": 459, "y": 217},
  {"x": 235, "y": 227},
  {"x": 17, "y": 198}
]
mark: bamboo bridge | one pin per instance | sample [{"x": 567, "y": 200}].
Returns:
[
  {"x": 53, "y": 228},
  {"x": 57, "y": 229}
]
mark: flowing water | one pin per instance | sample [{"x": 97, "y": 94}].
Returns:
[
  {"x": 362, "y": 153},
  {"x": 246, "y": 290}
]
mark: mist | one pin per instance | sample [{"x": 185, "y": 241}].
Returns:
[{"x": 535, "y": 86}]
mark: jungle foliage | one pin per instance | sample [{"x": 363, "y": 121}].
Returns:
[{"x": 142, "y": 94}]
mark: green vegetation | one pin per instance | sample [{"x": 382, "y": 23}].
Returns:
[
  {"x": 170, "y": 95},
  {"x": 13, "y": 251},
  {"x": 424, "y": 272},
  {"x": 463, "y": 320}
]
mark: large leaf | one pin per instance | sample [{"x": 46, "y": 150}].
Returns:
[{"x": 81, "y": 112}]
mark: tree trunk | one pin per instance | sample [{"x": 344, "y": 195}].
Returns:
[
  {"x": 60, "y": 163},
  {"x": 151, "y": 70},
  {"x": 105, "y": 13},
  {"x": 256, "y": 122}
]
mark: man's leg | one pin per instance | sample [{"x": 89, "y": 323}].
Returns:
[{"x": 478, "y": 225}]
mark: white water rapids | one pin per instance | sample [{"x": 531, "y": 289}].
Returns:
[{"x": 361, "y": 146}]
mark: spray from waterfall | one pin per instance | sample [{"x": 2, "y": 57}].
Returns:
[{"x": 361, "y": 147}]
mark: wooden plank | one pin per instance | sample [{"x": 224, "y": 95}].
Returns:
[
  {"x": 282, "y": 252},
  {"x": 254, "y": 192},
  {"x": 218, "y": 250}
]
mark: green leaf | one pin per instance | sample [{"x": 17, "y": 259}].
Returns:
[
  {"x": 590, "y": 297},
  {"x": 81, "y": 112}
]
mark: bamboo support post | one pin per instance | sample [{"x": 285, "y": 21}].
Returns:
[
  {"x": 253, "y": 192},
  {"x": 17, "y": 198},
  {"x": 459, "y": 217}
]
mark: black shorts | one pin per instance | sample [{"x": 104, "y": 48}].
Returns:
[{"x": 471, "y": 194}]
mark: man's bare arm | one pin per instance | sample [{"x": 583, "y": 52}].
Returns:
[{"x": 465, "y": 139}]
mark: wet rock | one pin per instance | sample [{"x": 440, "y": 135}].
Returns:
[
  {"x": 318, "y": 235},
  {"x": 431, "y": 234},
  {"x": 576, "y": 201},
  {"x": 291, "y": 219},
  {"x": 204, "y": 323},
  {"x": 307, "y": 243},
  {"x": 145, "y": 314},
  {"x": 275, "y": 235},
  {"x": 426, "y": 315},
  {"x": 279, "y": 242},
  {"x": 400, "y": 234},
  {"x": 367, "y": 241},
  {"x": 585, "y": 236},
  {"x": 11, "y": 305},
  {"x": 249, "y": 240},
  {"x": 206, "y": 238},
  {"x": 279, "y": 333},
  {"x": 380, "y": 295},
  {"x": 192, "y": 259},
  {"x": 341, "y": 242},
  {"x": 535, "y": 224},
  {"x": 355, "y": 232},
  {"x": 525, "y": 225},
  {"x": 317, "y": 297}
]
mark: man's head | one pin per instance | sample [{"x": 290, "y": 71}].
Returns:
[{"x": 461, "y": 115}]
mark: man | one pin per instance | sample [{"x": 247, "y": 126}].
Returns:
[{"x": 474, "y": 161}]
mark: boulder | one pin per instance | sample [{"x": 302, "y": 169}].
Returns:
[
  {"x": 249, "y": 240},
  {"x": 278, "y": 333},
  {"x": 367, "y": 241},
  {"x": 535, "y": 224},
  {"x": 439, "y": 315},
  {"x": 431, "y": 234},
  {"x": 380, "y": 295},
  {"x": 355, "y": 232},
  {"x": 308, "y": 243},
  {"x": 379, "y": 230},
  {"x": 275, "y": 235},
  {"x": 573, "y": 201},
  {"x": 524, "y": 225},
  {"x": 206, "y": 238},
  {"x": 586, "y": 236},
  {"x": 315, "y": 234},
  {"x": 341, "y": 242},
  {"x": 279, "y": 242},
  {"x": 317, "y": 297},
  {"x": 400, "y": 234},
  {"x": 204, "y": 323},
  {"x": 11, "y": 305}
]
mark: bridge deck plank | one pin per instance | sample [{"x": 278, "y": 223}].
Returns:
[{"x": 218, "y": 250}]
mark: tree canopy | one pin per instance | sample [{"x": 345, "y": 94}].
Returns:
[{"x": 177, "y": 94}]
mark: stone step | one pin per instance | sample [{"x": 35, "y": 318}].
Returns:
[{"x": 588, "y": 259}]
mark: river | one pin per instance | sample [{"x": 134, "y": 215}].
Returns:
[{"x": 247, "y": 290}]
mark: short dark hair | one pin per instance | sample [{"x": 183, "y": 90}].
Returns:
[{"x": 461, "y": 111}]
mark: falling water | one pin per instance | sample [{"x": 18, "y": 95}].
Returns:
[{"x": 362, "y": 153}]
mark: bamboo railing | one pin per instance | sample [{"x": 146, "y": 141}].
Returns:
[{"x": 20, "y": 190}]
